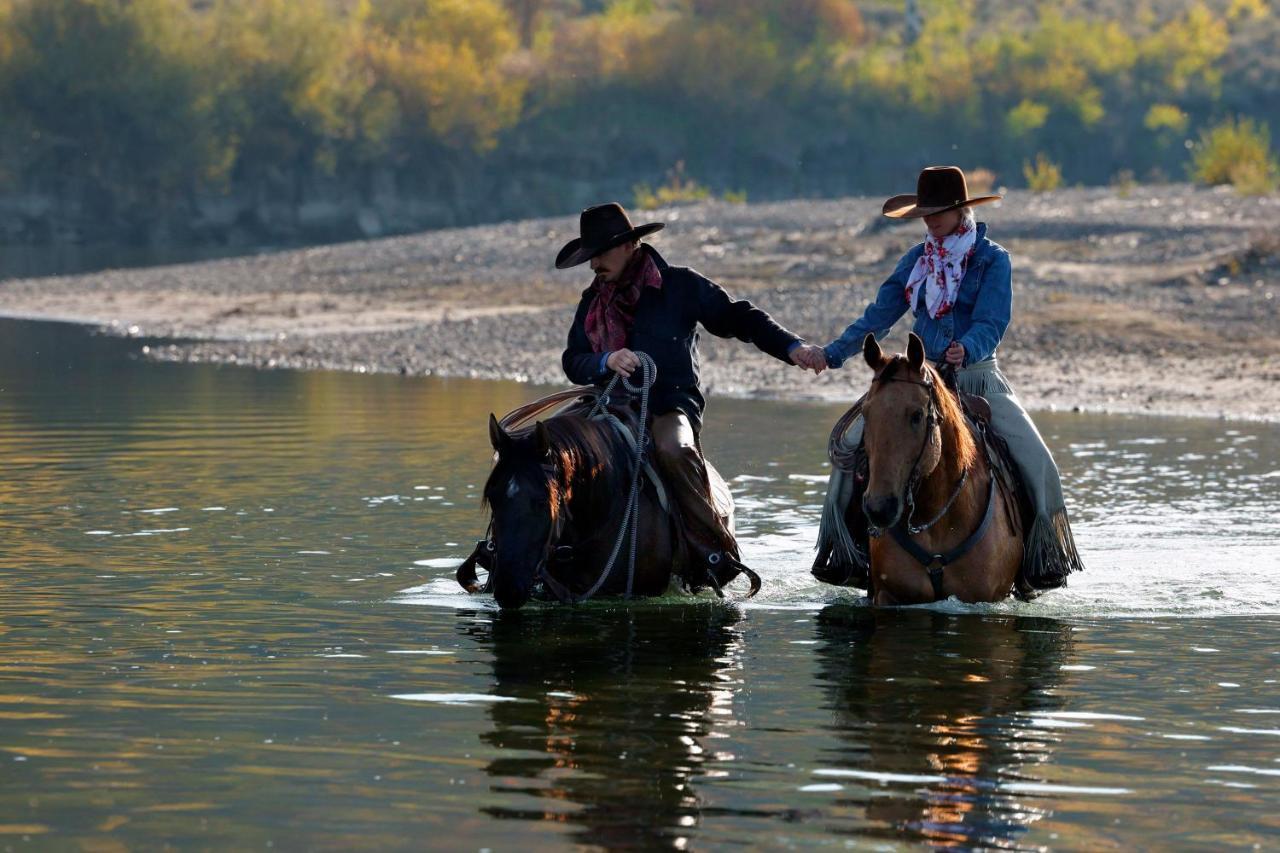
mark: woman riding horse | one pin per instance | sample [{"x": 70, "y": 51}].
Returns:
[{"x": 958, "y": 283}]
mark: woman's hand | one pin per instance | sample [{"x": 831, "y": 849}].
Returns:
[{"x": 955, "y": 354}]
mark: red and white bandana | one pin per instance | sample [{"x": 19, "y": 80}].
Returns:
[{"x": 941, "y": 267}]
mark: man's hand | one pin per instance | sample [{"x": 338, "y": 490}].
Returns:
[
  {"x": 622, "y": 361},
  {"x": 810, "y": 357},
  {"x": 955, "y": 354}
]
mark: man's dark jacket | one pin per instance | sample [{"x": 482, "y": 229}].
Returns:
[{"x": 666, "y": 327}]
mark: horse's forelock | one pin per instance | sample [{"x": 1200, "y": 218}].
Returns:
[
  {"x": 887, "y": 372},
  {"x": 517, "y": 461}
]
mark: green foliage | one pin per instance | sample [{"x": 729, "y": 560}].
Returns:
[
  {"x": 1166, "y": 117},
  {"x": 1186, "y": 49},
  {"x": 1250, "y": 10},
  {"x": 286, "y": 88},
  {"x": 106, "y": 88},
  {"x": 1062, "y": 62},
  {"x": 1042, "y": 176},
  {"x": 149, "y": 100},
  {"x": 1236, "y": 152},
  {"x": 1026, "y": 117},
  {"x": 443, "y": 61}
]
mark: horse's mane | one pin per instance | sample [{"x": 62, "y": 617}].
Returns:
[
  {"x": 949, "y": 411},
  {"x": 581, "y": 447},
  {"x": 579, "y": 450}
]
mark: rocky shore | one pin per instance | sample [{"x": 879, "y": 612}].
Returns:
[{"x": 1160, "y": 300}]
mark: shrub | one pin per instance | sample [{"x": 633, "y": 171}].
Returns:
[
  {"x": 981, "y": 181},
  {"x": 678, "y": 188},
  {"x": 1042, "y": 176},
  {"x": 1165, "y": 117},
  {"x": 1236, "y": 152},
  {"x": 1124, "y": 182}
]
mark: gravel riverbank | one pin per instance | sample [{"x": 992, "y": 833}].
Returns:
[{"x": 1160, "y": 301}]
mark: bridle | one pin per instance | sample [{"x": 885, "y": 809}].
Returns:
[
  {"x": 932, "y": 422},
  {"x": 485, "y": 552},
  {"x": 902, "y": 531}
]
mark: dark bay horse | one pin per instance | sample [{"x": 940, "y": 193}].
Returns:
[
  {"x": 942, "y": 523},
  {"x": 558, "y": 493}
]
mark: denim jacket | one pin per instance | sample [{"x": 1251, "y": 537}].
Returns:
[{"x": 978, "y": 319}]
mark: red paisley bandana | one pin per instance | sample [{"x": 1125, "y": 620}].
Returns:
[{"x": 610, "y": 316}]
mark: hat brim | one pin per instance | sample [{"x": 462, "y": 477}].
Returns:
[
  {"x": 905, "y": 207},
  {"x": 575, "y": 252}
]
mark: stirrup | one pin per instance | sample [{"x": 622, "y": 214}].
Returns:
[
  {"x": 851, "y": 576},
  {"x": 716, "y": 558},
  {"x": 482, "y": 556}
]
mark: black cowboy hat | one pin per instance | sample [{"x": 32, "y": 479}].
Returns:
[
  {"x": 601, "y": 228},
  {"x": 938, "y": 189}
]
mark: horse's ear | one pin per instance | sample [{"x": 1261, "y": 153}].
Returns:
[
  {"x": 543, "y": 437},
  {"x": 915, "y": 352},
  {"x": 497, "y": 437},
  {"x": 872, "y": 353}
]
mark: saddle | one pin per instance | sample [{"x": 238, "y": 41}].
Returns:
[{"x": 834, "y": 566}]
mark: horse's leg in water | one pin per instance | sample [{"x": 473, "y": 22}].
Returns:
[{"x": 655, "y": 548}]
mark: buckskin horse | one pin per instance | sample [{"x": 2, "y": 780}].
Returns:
[
  {"x": 943, "y": 520},
  {"x": 572, "y": 514}
]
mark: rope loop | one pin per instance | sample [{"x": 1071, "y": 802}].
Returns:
[{"x": 630, "y": 518}]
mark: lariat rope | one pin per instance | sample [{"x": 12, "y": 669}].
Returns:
[{"x": 631, "y": 515}]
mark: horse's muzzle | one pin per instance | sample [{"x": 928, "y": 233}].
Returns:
[
  {"x": 883, "y": 510},
  {"x": 512, "y": 599},
  {"x": 513, "y": 589}
]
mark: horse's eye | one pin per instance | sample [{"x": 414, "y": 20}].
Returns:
[{"x": 916, "y": 417}]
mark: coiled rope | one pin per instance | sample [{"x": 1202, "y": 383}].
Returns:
[{"x": 630, "y": 518}]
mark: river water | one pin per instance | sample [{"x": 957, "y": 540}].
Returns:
[{"x": 227, "y": 619}]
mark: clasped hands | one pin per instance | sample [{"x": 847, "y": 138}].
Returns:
[{"x": 810, "y": 357}]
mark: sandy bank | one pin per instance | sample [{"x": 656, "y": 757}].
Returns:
[{"x": 1164, "y": 301}]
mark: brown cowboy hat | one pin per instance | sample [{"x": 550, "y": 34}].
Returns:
[
  {"x": 601, "y": 228},
  {"x": 938, "y": 189}
]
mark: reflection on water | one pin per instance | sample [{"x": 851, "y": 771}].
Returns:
[
  {"x": 228, "y": 619},
  {"x": 612, "y": 710},
  {"x": 937, "y": 718}
]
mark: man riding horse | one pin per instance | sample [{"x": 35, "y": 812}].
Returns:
[{"x": 638, "y": 303}]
